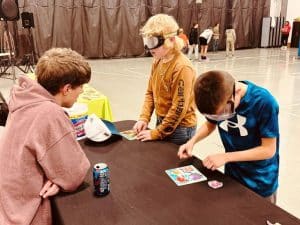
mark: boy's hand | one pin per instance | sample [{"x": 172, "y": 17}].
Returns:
[
  {"x": 49, "y": 189},
  {"x": 139, "y": 126},
  {"x": 144, "y": 135},
  {"x": 213, "y": 162},
  {"x": 185, "y": 150}
]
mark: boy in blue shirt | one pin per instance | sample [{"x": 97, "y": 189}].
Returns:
[{"x": 247, "y": 119}]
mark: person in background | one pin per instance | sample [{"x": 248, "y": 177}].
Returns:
[
  {"x": 169, "y": 92},
  {"x": 193, "y": 42},
  {"x": 185, "y": 39},
  {"x": 247, "y": 119},
  {"x": 230, "y": 40},
  {"x": 204, "y": 40},
  {"x": 285, "y": 31},
  {"x": 39, "y": 153},
  {"x": 216, "y": 37}
]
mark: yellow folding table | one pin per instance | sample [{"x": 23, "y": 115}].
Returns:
[{"x": 97, "y": 103}]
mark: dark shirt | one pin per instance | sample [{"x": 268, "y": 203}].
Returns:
[{"x": 193, "y": 37}]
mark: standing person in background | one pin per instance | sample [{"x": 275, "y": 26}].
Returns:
[
  {"x": 285, "y": 31},
  {"x": 216, "y": 37},
  {"x": 204, "y": 39},
  {"x": 185, "y": 39},
  {"x": 193, "y": 42},
  {"x": 230, "y": 40},
  {"x": 39, "y": 153},
  {"x": 170, "y": 86}
]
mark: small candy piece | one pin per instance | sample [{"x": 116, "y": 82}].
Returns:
[
  {"x": 215, "y": 184},
  {"x": 269, "y": 223}
]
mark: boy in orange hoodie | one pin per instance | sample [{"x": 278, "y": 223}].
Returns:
[
  {"x": 170, "y": 88},
  {"x": 39, "y": 154}
]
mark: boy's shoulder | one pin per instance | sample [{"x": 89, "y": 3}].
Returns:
[
  {"x": 54, "y": 121},
  {"x": 51, "y": 110},
  {"x": 49, "y": 106},
  {"x": 259, "y": 94},
  {"x": 183, "y": 62},
  {"x": 254, "y": 88}
]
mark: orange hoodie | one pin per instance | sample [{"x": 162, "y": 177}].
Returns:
[
  {"x": 38, "y": 144},
  {"x": 170, "y": 92}
]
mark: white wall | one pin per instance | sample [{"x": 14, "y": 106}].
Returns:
[{"x": 293, "y": 11}]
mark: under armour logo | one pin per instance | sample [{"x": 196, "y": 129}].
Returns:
[{"x": 240, "y": 122}]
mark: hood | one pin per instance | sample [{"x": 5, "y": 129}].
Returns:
[{"x": 27, "y": 92}]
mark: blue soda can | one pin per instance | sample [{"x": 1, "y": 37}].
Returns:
[{"x": 101, "y": 179}]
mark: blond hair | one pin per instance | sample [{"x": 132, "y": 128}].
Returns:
[
  {"x": 60, "y": 66},
  {"x": 166, "y": 26}
]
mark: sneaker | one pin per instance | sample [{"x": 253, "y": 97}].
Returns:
[
  {"x": 283, "y": 48},
  {"x": 204, "y": 59}
]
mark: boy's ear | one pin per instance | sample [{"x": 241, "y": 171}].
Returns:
[{"x": 65, "y": 89}]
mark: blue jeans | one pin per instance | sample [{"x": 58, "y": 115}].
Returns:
[
  {"x": 180, "y": 135},
  {"x": 215, "y": 45}
]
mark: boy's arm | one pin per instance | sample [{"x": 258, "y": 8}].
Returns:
[
  {"x": 148, "y": 106},
  {"x": 185, "y": 150},
  {"x": 206, "y": 129},
  {"x": 266, "y": 150},
  {"x": 65, "y": 164}
]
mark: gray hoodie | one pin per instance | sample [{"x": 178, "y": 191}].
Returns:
[{"x": 38, "y": 144}]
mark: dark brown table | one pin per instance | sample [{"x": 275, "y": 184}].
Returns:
[{"x": 143, "y": 194}]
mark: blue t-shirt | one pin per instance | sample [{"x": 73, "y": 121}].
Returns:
[{"x": 256, "y": 117}]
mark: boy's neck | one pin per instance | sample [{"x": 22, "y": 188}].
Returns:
[
  {"x": 58, "y": 99},
  {"x": 168, "y": 57},
  {"x": 242, "y": 87}
]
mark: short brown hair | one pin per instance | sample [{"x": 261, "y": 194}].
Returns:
[
  {"x": 211, "y": 89},
  {"x": 60, "y": 66}
]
